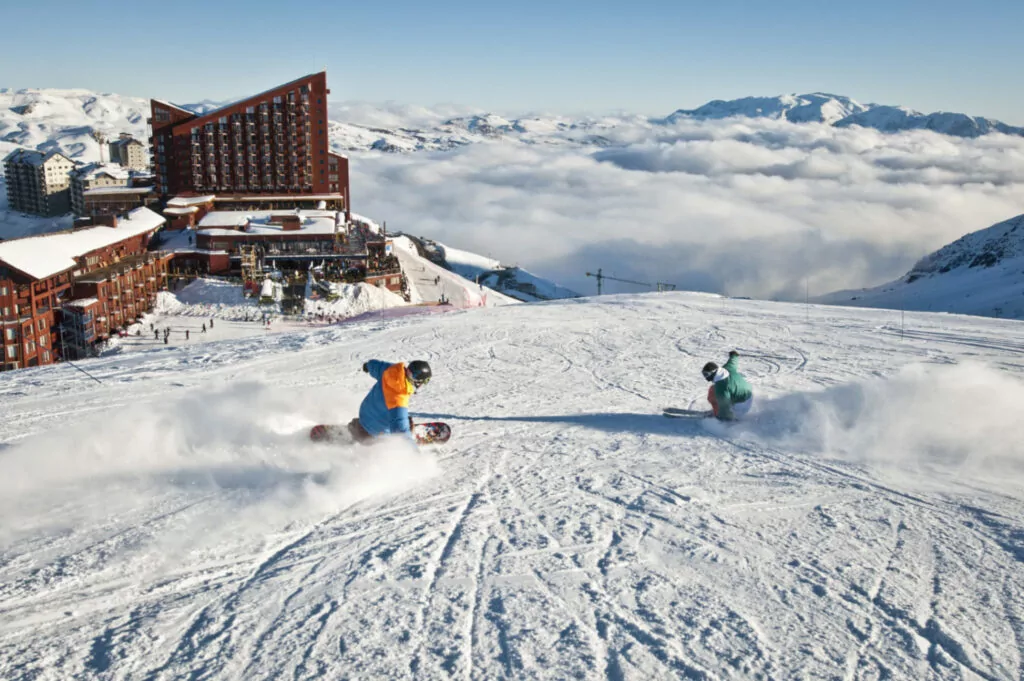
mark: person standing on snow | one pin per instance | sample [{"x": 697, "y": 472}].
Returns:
[
  {"x": 385, "y": 409},
  {"x": 729, "y": 394}
]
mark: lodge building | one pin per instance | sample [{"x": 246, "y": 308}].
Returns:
[
  {"x": 63, "y": 293},
  {"x": 274, "y": 143}
]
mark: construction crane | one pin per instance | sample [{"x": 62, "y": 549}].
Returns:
[{"x": 660, "y": 285}]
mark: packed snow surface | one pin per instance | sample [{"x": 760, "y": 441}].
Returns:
[{"x": 173, "y": 521}]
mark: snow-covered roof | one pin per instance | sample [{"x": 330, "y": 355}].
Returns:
[
  {"x": 190, "y": 200},
  {"x": 82, "y": 302},
  {"x": 50, "y": 254},
  {"x": 260, "y": 222},
  {"x": 118, "y": 190},
  {"x": 33, "y": 157},
  {"x": 181, "y": 211},
  {"x": 124, "y": 141},
  {"x": 94, "y": 170},
  {"x": 173, "y": 106}
]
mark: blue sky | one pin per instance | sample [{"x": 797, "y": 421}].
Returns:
[{"x": 642, "y": 56}]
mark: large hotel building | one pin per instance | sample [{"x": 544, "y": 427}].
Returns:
[{"x": 272, "y": 144}]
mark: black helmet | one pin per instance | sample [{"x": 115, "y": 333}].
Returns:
[
  {"x": 709, "y": 371},
  {"x": 419, "y": 372}
]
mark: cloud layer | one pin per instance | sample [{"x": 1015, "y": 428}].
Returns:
[{"x": 742, "y": 207}]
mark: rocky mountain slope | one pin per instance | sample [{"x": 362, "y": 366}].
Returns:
[{"x": 981, "y": 273}]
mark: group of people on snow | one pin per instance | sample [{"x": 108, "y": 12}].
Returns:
[{"x": 385, "y": 409}]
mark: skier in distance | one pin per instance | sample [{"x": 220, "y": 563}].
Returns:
[
  {"x": 729, "y": 393},
  {"x": 385, "y": 409}
]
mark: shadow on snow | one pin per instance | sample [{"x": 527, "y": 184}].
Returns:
[{"x": 643, "y": 424}]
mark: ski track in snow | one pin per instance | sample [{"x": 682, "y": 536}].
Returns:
[{"x": 568, "y": 530}]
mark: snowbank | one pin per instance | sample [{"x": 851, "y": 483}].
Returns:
[
  {"x": 211, "y": 298},
  {"x": 354, "y": 299}
]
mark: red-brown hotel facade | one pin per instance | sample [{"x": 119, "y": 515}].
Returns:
[
  {"x": 61, "y": 294},
  {"x": 275, "y": 143}
]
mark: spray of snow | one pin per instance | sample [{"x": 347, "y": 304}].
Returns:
[
  {"x": 245, "y": 446},
  {"x": 966, "y": 419}
]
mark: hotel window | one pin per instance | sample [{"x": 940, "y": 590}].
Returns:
[
  {"x": 12, "y": 352},
  {"x": 12, "y": 334},
  {"x": 46, "y": 355},
  {"x": 30, "y": 347},
  {"x": 42, "y": 325},
  {"x": 3, "y": 290}
]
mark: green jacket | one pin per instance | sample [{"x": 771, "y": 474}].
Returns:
[{"x": 731, "y": 390}]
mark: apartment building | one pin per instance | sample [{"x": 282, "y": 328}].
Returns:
[
  {"x": 129, "y": 153},
  {"x": 37, "y": 182},
  {"x": 274, "y": 143},
  {"x": 65, "y": 292},
  {"x": 103, "y": 201},
  {"x": 95, "y": 176}
]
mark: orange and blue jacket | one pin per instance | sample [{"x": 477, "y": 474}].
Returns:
[{"x": 386, "y": 408}]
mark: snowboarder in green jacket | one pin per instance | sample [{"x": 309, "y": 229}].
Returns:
[{"x": 729, "y": 394}]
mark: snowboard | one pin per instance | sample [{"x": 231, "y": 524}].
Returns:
[
  {"x": 432, "y": 433},
  {"x": 674, "y": 413}
]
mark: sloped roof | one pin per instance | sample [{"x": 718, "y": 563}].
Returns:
[
  {"x": 50, "y": 254},
  {"x": 94, "y": 170},
  {"x": 179, "y": 201},
  {"x": 125, "y": 141},
  {"x": 33, "y": 157}
]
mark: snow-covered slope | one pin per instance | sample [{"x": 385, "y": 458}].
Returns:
[
  {"x": 64, "y": 120},
  {"x": 173, "y": 521},
  {"x": 510, "y": 280},
  {"x": 981, "y": 273}
]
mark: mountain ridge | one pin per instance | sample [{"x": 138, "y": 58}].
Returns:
[
  {"x": 64, "y": 119},
  {"x": 981, "y": 273}
]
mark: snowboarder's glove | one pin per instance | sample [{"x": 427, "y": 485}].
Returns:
[{"x": 366, "y": 367}]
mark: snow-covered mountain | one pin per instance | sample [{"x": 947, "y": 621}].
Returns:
[
  {"x": 845, "y": 112},
  {"x": 64, "y": 120},
  {"x": 981, "y": 273},
  {"x": 817, "y": 107},
  {"x": 896, "y": 119},
  {"x": 166, "y": 517}
]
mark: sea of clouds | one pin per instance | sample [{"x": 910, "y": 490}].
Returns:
[{"x": 759, "y": 208}]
